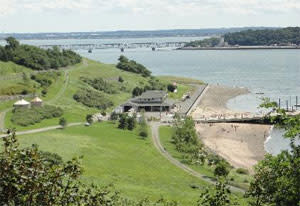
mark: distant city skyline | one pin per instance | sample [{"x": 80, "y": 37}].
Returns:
[{"x": 31, "y": 16}]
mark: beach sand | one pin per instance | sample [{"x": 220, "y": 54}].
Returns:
[
  {"x": 242, "y": 145},
  {"x": 214, "y": 101}
]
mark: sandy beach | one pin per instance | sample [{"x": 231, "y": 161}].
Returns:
[
  {"x": 215, "y": 99},
  {"x": 242, "y": 145}
]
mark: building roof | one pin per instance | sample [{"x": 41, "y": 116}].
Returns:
[
  {"x": 36, "y": 100},
  {"x": 153, "y": 94},
  {"x": 21, "y": 102}
]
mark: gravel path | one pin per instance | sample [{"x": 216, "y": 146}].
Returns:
[{"x": 33, "y": 131}]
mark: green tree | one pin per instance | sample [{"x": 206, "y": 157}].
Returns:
[
  {"x": 277, "y": 178},
  {"x": 12, "y": 43},
  {"x": 123, "y": 123},
  {"x": 221, "y": 169},
  {"x": 131, "y": 122},
  {"x": 29, "y": 177},
  {"x": 89, "y": 118},
  {"x": 63, "y": 122},
  {"x": 219, "y": 196}
]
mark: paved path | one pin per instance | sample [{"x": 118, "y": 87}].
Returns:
[
  {"x": 156, "y": 141},
  {"x": 186, "y": 106},
  {"x": 2, "y": 119},
  {"x": 44, "y": 129}
]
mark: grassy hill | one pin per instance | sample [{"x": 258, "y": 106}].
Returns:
[{"x": 61, "y": 91}]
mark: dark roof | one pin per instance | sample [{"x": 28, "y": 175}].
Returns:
[{"x": 153, "y": 94}]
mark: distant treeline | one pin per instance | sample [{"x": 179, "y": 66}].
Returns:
[
  {"x": 285, "y": 36},
  {"x": 211, "y": 42},
  {"x": 129, "y": 34},
  {"x": 37, "y": 58}
]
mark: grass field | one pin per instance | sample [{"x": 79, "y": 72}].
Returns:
[
  {"x": 120, "y": 157},
  {"x": 236, "y": 179},
  {"x": 61, "y": 92}
]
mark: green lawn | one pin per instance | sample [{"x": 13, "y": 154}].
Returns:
[
  {"x": 235, "y": 178},
  {"x": 61, "y": 92},
  {"x": 120, "y": 157}
]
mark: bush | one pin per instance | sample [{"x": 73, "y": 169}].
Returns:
[
  {"x": 121, "y": 79},
  {"x": 89, "y": 118},
  {"x": 93, "y": 98},
  {"x": 171, "y": 88},
  {"x": 143, "y": 133},
  {"x": 25, "y": 117},
  {"x": 132, "y": 66},
  {"x": 242, "y": 171},
  {"x": 101, "y": 85},
  {"x": 221, "y": 169},
  {"x": 63, "y": 122}
]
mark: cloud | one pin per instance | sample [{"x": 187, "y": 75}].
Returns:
[
  {"x": 168, "y": 7},
  {"x": 6, "y": 7}
]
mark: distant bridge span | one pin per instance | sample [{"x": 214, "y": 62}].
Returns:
[{"x": 116, "y": 45}]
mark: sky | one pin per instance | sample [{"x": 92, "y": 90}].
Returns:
[{"x": 110, "y": 15}]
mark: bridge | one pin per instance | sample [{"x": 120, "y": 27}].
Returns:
[{"x": 116, "y": 45}]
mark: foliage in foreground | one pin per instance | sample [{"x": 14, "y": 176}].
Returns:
[
  {"x": 25, "y": 117},
  {"x": 93, "y": 98},
  {"x": 31, "y": 177},
  {"x": 277, "y": 178},
  {"x": 37, "y": 58}
]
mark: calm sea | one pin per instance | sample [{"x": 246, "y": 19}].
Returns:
[{"x": 271, "y": 73}]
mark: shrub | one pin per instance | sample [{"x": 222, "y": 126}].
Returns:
[
  {"x": 92, "y": 98},
  {"x": 171, "y": 87},
  {"x": 242, "y": 171},
  {"x": 221, "y": 169},
  {"x": 144, "y": 133},
  {"x": 121, "y": 79},
  {"x": 25, "y": 117},
  {"x": 89, "y": 118},
  {"x": 132, "y": 66},
  {"x": 101, "y": 85},
  {"x": 62, "y": 122}
]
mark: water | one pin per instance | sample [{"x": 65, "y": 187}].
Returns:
[{"x": 275, "y": 73}]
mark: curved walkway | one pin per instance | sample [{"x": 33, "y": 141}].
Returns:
[
  {"x": 45, "y": 129},
  {"x": 156, "y": 141}
]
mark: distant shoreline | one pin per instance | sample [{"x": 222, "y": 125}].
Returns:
[{"x": 239, "y": 48}]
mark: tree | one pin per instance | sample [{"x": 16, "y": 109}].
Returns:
[
  {"x": 29, "y": 177},
  {"x": 12, "y": 43},
  {"x": 89, "y": 118},
  {"x": 219, "y": 196},
  {"x": 221, "y": 169},
  {"x": 123, "y": 123},
  {"x": 171, "y": 87},
  {"x": 63, "y": 122},
  {"x": 137, "y": 91},
  {"x": 131, "y": 122},
  {"x": 277, "y": 178}
]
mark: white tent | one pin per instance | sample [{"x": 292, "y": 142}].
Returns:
[{"x": 21, "y": 103}]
